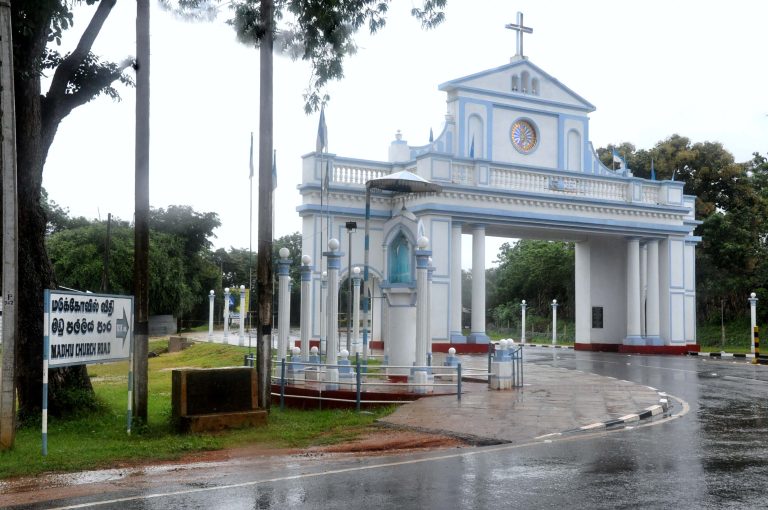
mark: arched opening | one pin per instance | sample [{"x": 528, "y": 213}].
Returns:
[
  {"x": 399, "y": 263},
  {"x": 515, "y": 83},
  {"x": 475, "y": 138},
  {"x": 574, "y": 151},
  {"x": 525, "y": 82},
  {"x": 535, "y": 87}
]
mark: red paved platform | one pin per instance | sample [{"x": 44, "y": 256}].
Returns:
[{"x": 638, "y": 349}]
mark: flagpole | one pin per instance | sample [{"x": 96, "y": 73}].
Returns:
[{"x": 250, "y": 245}]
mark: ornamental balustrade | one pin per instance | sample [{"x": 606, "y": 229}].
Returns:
[{"x": 355, "y": 173}]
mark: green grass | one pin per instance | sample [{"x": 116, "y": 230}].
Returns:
[
  {"x": 99, "y": 440},
  {"x": 737, "y": 336}
]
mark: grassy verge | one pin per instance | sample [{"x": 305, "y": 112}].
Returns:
[{"x": 99, "y": 440}]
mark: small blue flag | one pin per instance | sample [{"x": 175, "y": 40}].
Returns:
[
  {"x": 322, "y": 132},
  {"x": 653, "y": 171},
  {"x": 472, "y": 148},
  {"x": 431, "y": 136}
]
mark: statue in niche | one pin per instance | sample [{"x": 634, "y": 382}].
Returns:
[{"x": 400, "y": 260}]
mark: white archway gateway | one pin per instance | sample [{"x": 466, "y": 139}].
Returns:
[{"x": 635, "y": 264}]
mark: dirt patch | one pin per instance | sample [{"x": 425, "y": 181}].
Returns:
[
  {"x": 383, "y": 441},
  {"x": 375, "y": 441}
]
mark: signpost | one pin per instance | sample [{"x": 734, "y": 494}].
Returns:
[{"x": 85, "y": 328}]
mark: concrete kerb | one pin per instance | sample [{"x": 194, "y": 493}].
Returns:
[{"x": 721, "y": 354}]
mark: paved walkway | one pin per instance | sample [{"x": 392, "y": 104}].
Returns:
[{"x": 552, "y": 400}]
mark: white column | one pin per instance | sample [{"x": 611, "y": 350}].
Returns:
[
  {"x": 456, "y": 308},
  {"x": 522, "y": 323},
  {"x": 583, "y": 288},
  {"x": 210, "y": 315},
  {"x": 643, "y": 289},
  {"x": 652, "y": 304},
  {"x": 430, "y": 271},
  {"x": 753, "y": 319},
  {"x": 226, "y": 315},
  {"x": 477, "y": 334},
  {"x": 306, "y": 305},
  {"x": 633, "y": 293},
  {"x": 323, "y": 310},
  {"x": 356, "y": 307},
  {"x": 334, "y": 265},
  {"x": 422, "y": 307},
  {"x": 241, "y": 337},
  {"x": 554, "y": 321},
  {"x": 284, "y": 296}
]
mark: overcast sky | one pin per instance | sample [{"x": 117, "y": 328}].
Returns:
[{"x": 652, "y": 69}]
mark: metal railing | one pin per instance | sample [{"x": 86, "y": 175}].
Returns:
[{"x": 360, "y": 378}]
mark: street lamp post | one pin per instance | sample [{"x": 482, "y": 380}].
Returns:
[{"x": 351, "y": 227}]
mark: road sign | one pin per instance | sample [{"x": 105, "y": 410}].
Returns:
[{"x": 87, "y": 328}]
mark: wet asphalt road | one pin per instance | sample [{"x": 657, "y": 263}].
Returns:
[{"x": 715, "y": 456}]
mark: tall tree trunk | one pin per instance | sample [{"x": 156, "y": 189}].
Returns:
[{"x": 35, "y": 273}]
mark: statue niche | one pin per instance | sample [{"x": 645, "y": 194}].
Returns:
[{"x": 400, "y": 253}]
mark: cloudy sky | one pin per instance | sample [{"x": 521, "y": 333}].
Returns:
[{"x": 652, "y": 69}]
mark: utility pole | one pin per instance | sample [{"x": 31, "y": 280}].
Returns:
[
  {"x": 264, "y": 255},
  {"x": 141, "y": 215},
  {"x": 10, "y": 231}
]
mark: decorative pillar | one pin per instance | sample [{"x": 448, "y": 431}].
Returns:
[
  {"x": 306, "y": 305},
  {"x": 653, "y": 297},
  {"x": 430, "y": 272},
  {"x": 332, "y": 339},
  {"x": 523, "y": 306},
  {"x": 284, "y": 297},
  {"x": 554, "y": 321},
  {"x": 226, "y": 315},
  {"x": 633, "y": 294},
  {"x": 422, "y": 305},
  {"x": 643, "y": 289},
  {"x": 323, "y": 310},
  {"x": 211, "y": 296},
  {"x": 356, "y": 307},
  {"x": 456, "y": 336},
  {"x": 241, "y": 338},
  {"x": 477, "y": 335},
  {"x": 753, "y": 318}
]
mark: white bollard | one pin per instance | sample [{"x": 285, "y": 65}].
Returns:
[
  {"x": 753, "y": 316},
  {"x": 211, "y": 296},
  {"x": 554, "y": 321},
  {"x": 241, "y": 340},
  {"x": 226, "y": 315},
  {"x": 523, "y": 306}
]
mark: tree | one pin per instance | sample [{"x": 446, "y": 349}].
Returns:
[
  {"x": 181, "y": 266},
  {"x": 77, "y": 78},
  {"x": 537, "y": 271}
]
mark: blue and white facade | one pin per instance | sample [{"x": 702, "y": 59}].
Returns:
[{"x": 514, "y": 160}]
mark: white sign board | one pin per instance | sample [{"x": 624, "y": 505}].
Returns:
[{"x": 87, "y": 328}]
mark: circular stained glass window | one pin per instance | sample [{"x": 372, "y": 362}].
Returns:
[{"x": 523, "y": 136}]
